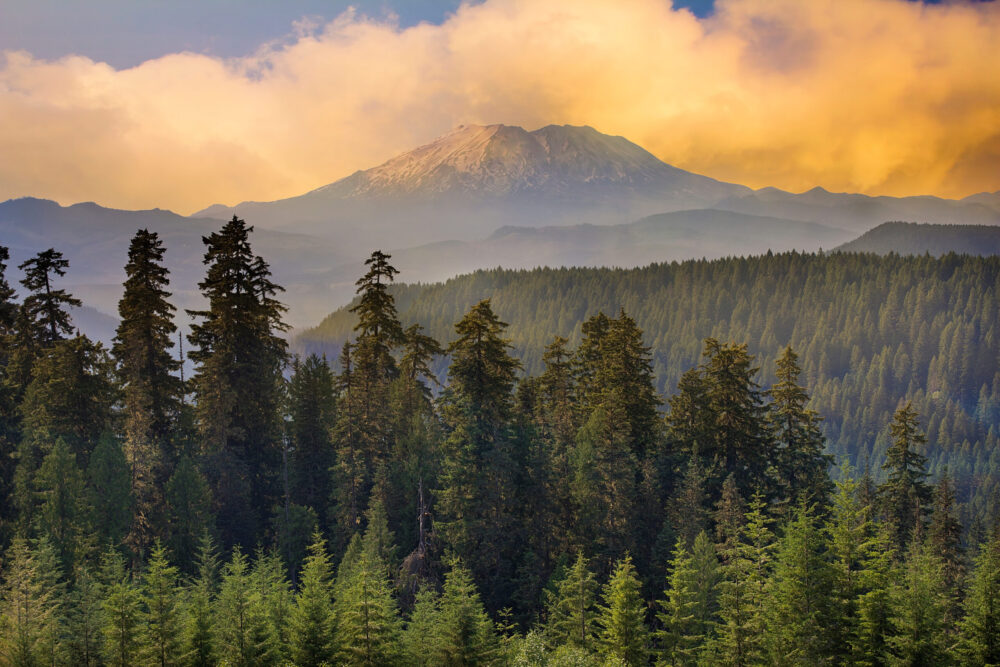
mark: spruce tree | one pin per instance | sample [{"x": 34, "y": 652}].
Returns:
[
  {"x": 420, "y": 642},
  {"x": 920, "y": 606},
  {"x": 189, "y": 512},
  {"x": 45, "y": 305},
  {"x": 681, "y": 635},
  {"x": 277, "y": 598},
  {"x": 476, "y": 501},
  {"x": 162, "y": 637},
  {"x": 30, "y": 613},
  {"x": 61, "y": 515},
  {"x": 905, "y": 494},
  {"x": 312, "y": 412},
  {"x": 108, "y": 480},
  {"x": 797, "y": 606},
  {"x": 367, "y": 624},
  {"x": 979, "y": 642},
  {"x": 311, "y": 619},
  {"x": 623, "y": 634},
  {"x": 199, "y": 631},
  {"x": 571, "y": 608},
  {"x": 241, "y": 633},
  {"x": 151, "y": 390},
  {"x": 123, "y": 614},
  {"x": 945, "y": 537},
  {"x": 83, "y": 623},
  {"x": 465, "y": 633},
  {"x": 801, "y": 464},
  {"x": 240, "y": 357}
]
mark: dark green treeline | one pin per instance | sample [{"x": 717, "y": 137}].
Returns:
[{"x": 283, "y": 511}]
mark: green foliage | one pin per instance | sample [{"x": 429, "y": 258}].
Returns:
[
  {"x": 904, "y": 495},
  {"x": 108, "y": 480},
  {"x": 123, "y": 615},
  {"x": 240, "y": 623},
  {"x": 162, "y": 636},
  {"x": 311, "y": 621},
  {"x": 45, "y": 305},
  {"x": 623, "y": 634},
  {"x": 980, "y": 627},
  {"x": 571, "y": 608},
  {"x": 31, "y": 606},
  {"x": 465, "y": 634},
  {"x": 189, "y": 517}
]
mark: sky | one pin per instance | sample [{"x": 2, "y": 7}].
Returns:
[{"x": 183, "y": 103}]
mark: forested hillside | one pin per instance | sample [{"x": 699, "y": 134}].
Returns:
[
  {"x": 911, "y": 238},
  {"x": 871, "y": 331},
  {"x": 557, "y": 509}
]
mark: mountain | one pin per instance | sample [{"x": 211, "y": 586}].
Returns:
[
  {"x": 95, "y": 241},
  {"x": 478, "y": 178},
  {"x": 665, "y": 237},
  {"x": 861, "y": 212},
  {"x": 909, "y": 238}
]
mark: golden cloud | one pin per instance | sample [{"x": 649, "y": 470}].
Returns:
[{"x": 876, "y": 96}]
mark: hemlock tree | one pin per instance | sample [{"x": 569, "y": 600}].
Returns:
[
  {"x": 905, "y": 494},
  {"x": 980, "y": 627},
  {"x": 802, "y": 465},
  {"x": 240, "y": 356},
  {"x": 571, "y": 608},
  {"x": 45, "y": 305},
  {"x": 151, "y": 390},
  {"x": 311, "y": 618},
  {"x": 623, "y": 634}
]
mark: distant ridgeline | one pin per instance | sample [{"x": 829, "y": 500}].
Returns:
[
  {"x": 911, "y": 238},
  {"x": 871, "y": 332}
]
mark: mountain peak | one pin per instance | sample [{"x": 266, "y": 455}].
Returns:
[{"x": 506, "y": 159}]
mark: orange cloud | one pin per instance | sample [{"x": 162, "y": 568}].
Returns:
[{"x": 877, "y": 96}]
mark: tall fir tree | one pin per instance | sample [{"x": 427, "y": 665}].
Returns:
[
  {"x": 623, "y": 634},
  {"x": 905, "y": 495},
  {"x": 311, "y": 618},
  {"x": 237, "y": 385},
  {"x": 572, "y": 611},
  {"x": 979, "y": 642},
  {"x": 150, "y": 385},
  {"x": 312, "y": 408},
  {"x": 681, "y": 635},
  {"x": 163, "y": 628},
  {"x": 45, "y": 305},
  {"x": 801, "y": 463}
]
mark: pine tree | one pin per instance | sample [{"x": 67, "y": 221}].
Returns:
[
  {"x": 110, "y": 491},
  {"x": 476, "y": 501},
  {"x": 199, "y": 640},
  {"x": 571, "y": 608},
  {"x": 45, "y": 305},
  {"x": 980, "y": 628},
  {"x": 240, "y": 624},
  {"x": 61, "y": 515},
  {"x": 746, "y": 564},
  {"x": 920, "y": 605},
  {"x": 123, "y": 614},
  {"x": 681, "y": 636},
  {"x": 311, "y": 620},
  {"x": 797, "y": 606},
  {"x": 802, "y": 465},
  {"x": 623, "y": 634},
  {"x": 905, "y": 494},
  {"x": 30, "y": 613},
  {"x": 151, "y": 390},
  {"x": 240, "y": 356},
  {"x": 189, "y": 516},
  {"x": 466, "y": 635},
  {"x": 312, "y": 412},
  {"x": 162, "y": 637}
]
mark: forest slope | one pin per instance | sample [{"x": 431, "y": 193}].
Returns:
[{"x": 872, "y": 331}]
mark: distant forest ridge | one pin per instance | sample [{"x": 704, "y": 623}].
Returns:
[
  {"x": 911, "y": 238},
  {"x": 872, "y": 332}
]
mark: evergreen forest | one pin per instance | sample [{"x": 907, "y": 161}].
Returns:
[{"x": 780, "y": 460}]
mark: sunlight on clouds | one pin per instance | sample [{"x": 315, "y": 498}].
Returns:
[{"x": 879, "y": 96}]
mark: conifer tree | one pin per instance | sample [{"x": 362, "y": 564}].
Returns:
[
  {"x": 349, "y": 473},
  {"x": 162, "y": 637},
  {"x": 189, "y": 516},
  {"x": 151, "y": 390},
  {"x": 945, "y": 537},
  {"x": 623, "y": 634},
  {"x": 367, "y": 623},
  {"x": 9, "y": 392},
  {"x": 905, "y": 494},
  {"x": 45, "y": 305},
  {"x": 920, "y": 605},
  {"x": 746, "y": 563},
  {"x": 466, "y": 635},
  {"x": 61, "y": 515},
  {"x": 123, "y": 613},
  {"x": 681, "y": 635},
  {"x": 30, "y": 609},
  {"x": 240, "y": 356},
  {"x": 83, "y": 622},
  {"x": 420, "y": 641},
  {"x": 571, "y": 608},
  {"x": 270, "y": 579},
  {"x": 797, "y": 606},
  {"x": 110, "y": 491},
  {"x": 241, "y": 633},
  {"x": 802, "y": 465},
  {"x": 311, "y": 619},
  {"x": 877, "y": 577},
  {"x": 199, "y": 636},
  {"x": 980, "y": 627},
  {"x": 476, "y": 501},
  {"x": 312, "y": 412}
]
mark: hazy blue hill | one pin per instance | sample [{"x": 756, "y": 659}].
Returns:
[{"x": 909, "y": 238}]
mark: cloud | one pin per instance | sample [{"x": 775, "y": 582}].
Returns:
[{"x": 877, "y": 96}]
